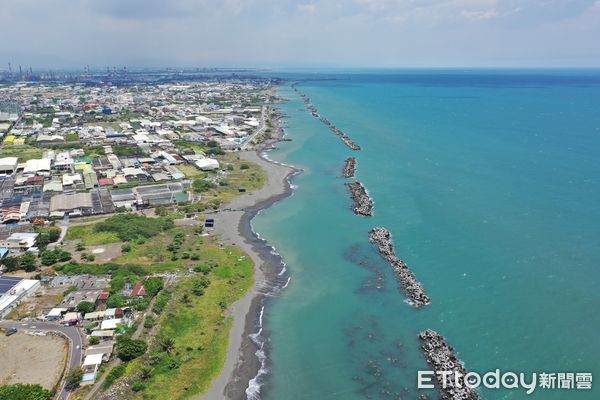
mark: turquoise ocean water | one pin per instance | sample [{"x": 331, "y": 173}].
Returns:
[{"x": 489, "y": 182}]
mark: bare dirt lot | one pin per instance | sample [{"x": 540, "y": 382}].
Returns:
[
  {"x": 32, "y": 359},
  {"x": 40, "y": 302},
  {"x": 102, "y": 253}
]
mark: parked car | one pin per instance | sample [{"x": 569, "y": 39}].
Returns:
[{"x": 11, "y": 331}]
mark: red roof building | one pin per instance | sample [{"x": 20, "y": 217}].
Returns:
[
  {"x": 106, "y": 182},
  {"x": 138, "y": 290}
]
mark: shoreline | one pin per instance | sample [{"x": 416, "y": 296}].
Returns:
[{"x": 234, "y": 225}]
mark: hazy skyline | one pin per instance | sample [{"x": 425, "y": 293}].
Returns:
[{"x": 284, "y": 33}]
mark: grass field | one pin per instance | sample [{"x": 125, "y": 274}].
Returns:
[
  {"x": 89, "y": 237},
  {"x": 24, "y": 152}
]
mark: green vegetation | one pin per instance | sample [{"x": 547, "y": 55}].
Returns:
[
  {"x": 51, "y": 257},
  {"x": 21, "y": 391},
  {"x": 120, "y": 273},
  {"x": 113, "y": 375},
  {"x": 85, "y": 307},
  {"x": 94, "y": 340},
  {"x": 24, "y": 152},
  {"x": 47, "y": 234},
  {"x": 73, "y": 378},
  {"x": 202, "y": 185},
  {"x": 116, "y": 300},
  {"x": 128, "y": 349},
  {"x": 72, "y": 137},
  {"x": 89, "y": 236},
  {"x": 129, "y": 227},
  {"x": 26, "y": 262},
  {"x": 190, "y": 349},
  {"x": 127, "y": 151},
  {"x": 153, "y": 286}
]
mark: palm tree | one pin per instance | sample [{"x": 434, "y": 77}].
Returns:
[
  {"x": 166, "y": 343},
  {"x": 145, "y": 372}
]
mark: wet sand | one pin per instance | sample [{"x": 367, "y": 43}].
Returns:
[{"x": 233, "y": 223}]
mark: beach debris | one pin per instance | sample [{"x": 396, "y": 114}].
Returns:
[
  {"x": 349, "y": 167},
  {"x": 363, "y": 204},
  {"x": 441, "y": 357},
  {"x": 413, "y": 288}
]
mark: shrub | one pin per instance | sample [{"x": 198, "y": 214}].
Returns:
[
  {"x": 161, "y": 302},
  {"x": 94, "y": 340},
  {"x": 149, "y": 322},
  {"x": 153, "y": 286},
  {"x": 138, "y": 386},
  {"x": 128, "y": 349},
  {"x": 114, "y": 374},
  {"x": 202, "y": 185}
]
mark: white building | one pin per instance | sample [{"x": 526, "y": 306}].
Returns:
[{"x": 207, "y": 164}]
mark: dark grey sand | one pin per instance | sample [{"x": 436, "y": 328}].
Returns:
[{"x": 233, "y": 223}]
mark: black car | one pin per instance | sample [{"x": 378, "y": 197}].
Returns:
[{"x": 11, "y": 331}]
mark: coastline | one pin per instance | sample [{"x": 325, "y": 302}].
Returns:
[{"x": 233, "y": 223}]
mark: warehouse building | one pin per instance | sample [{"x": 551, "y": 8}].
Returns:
[{"x": 8, "y": 165}]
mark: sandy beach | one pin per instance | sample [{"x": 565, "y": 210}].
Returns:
[{"x": 233, "y": 224}]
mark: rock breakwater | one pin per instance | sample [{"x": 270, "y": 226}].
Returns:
[
  {"x": 441, "y": 357},
  {"x": 363, "y": 205},
  {"x": 349, "y": 167},
  {"x": 315, "y": 113},
  {"x": 413, "y": 288}
]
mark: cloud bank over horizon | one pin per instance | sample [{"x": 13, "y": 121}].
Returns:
[{"x": 311, "y": 33}]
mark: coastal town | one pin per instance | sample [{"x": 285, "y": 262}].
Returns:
[{"x": 107, "y": 201}]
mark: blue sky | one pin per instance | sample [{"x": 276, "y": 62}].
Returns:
[{"x": 284, "y": 33}]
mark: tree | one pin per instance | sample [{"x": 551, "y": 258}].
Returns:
[
  {"x": 125, "y": 247},
  {"x": 73, "y": 378},
  {"x": 153, "y": 286},
  {"x": 11, "y": 263},
  {"x": 86, "y": 307},
  {"x": 50, "y": 257},
  {"x": 94, "y": 340},
  {"x": 128, "y": 349},
  {"x": 116, "y": 300},
  {"x": 166, "y": 343},
  {"x": 21, "y": 391},
  {"x": 27, "y": 261}
]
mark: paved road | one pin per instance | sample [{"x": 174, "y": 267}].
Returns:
[{"x": 69, "y": 331}]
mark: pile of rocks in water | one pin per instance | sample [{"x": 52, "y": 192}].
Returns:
[
  {"x": 413, "y": 288},
  {"x": 349, "y": 167},
  {"x": 349, "y": 142},
  {"x": 441, "y": 357},
  {"x": 363, "y": 205},
  {"x": 315, "y": 113}
]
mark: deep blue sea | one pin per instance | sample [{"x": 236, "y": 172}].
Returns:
[{"x": 490, "y": 183}]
